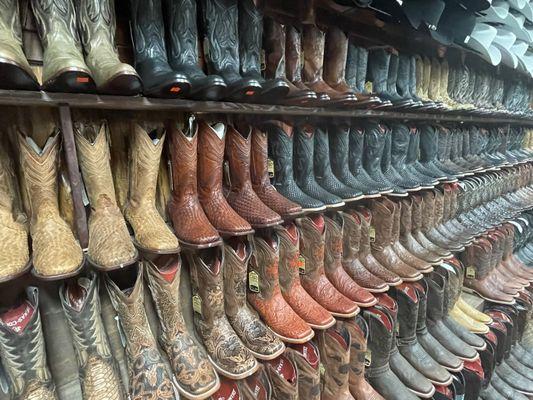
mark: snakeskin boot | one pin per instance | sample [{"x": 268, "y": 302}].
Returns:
[{"x": 99, "y": 376}]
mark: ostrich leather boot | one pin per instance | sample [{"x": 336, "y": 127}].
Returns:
[
  {"x": 368, "y": 236},
  {"x": 264, "y": 292},
  {"x": 261, "y": 181},
  {"x": 193, "y": 373},
  {"x": 316, "y": 316},
  {"x": 334, "y": 345},
  {"x": 419, "y": 213},
  {"x": 56, "y": 253},
  {"x": 110, "y": 245},
  {"x": 99, "y": 376},
  {"x": 333, "y": 264},
  {"x": 241, "y": 196},
  {"x": 254, "y": 334},
  {"x": 314, "y": 280},
  {"x": 152, "y": 234},
  {"x": 211, "y": 142},
  {"x": 383, "y": 221},
  {"x": 350, "y": 255},
  {"x": 359, "y": 386},
  {"x": 283, "y": 375},
  {"x": 146, "y": 368},
  {"x": 306, "y": 358},
  {"x": 14, "y": 66},
  {"x": 27, "y": 371},
  {"x": 226, "y": 351},
  {"x": 188, "y": 217}
]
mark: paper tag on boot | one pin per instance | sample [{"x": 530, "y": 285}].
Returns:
[
  {"x": 197, "y": 304},
  {"x": 372, "y": 233},
  {"x": 253, "y": 281},
  {"x": 270, "y": 167},
  {"x": 321, "y": 369},
  {"x": 470, "y": 272},
  {"x": 369, "y": 87},
  {"x": 301, "y": 265},
  {"x": 368, "y": 358}
]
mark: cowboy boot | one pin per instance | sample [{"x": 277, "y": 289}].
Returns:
[
  {"x": 430, "y": 212},
  {"x": 314, "y": 281},
  {"x": 265, "y": 296},
  {"x": 250, "y": 46},
  {"x": 283, "y": 376},
  {"x": 226, "y": 351},
  {"x": 390, "y": 173},
  {"x": 183, "y": 53},
  {"x": 56, "y": 253},
  {"x": 350, "y": 255},
  {"x": 27, "y": 371},
  {"x": 98, "y": 371},
  {"x": 393, "y": 83},
  {"x": 428, "y": 154},
  {"x": 306, "y": 358},
  {"x": 152, "y": 235},
  {"x": 333, "y": 264},
  {"x": 259, "y": 175},
  {"x": 14, "y": 249},
  {"x": 193, "y": 373},
  {"x": 110, "y": 246},
  {"x": 221, "y": 23},
  {"x": 274, "y": 39},
  {"x": 399, "y": 148},
  {"x": 151, "y": 60},
  {"x": 211, "y": 143},
  {"x": 241, "y": 196},
  {"x": 14, "y": 65},
  {"x": 334, "y": 345},
  {"x": 291, "y": 264},
  {"x": 431, "y": 178},
  {"x": 256, "y": 386},
  {"x": 146, "y": 369},
  {"x": 356, "y": 66},
  {"x": 246, "y": 323}
]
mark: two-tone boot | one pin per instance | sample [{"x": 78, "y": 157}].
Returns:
[
  {"x": 283, "y": 376},
  {"x": 306, "y": 358}
]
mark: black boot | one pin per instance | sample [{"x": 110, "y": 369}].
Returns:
[
  {"x": 222, "y": 53},
  {"x": 151, "y": 63},
  {"x": 428, "y": 153},
  {"x": 250, "y": 42},
  {"x": 183, "y": 50},
  {"x": 393, "y": 78},
  {"x": 413, "y": 166},
  {"x": 399, "y": 147}
]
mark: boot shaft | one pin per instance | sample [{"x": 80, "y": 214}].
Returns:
[
  {"x": 312, "y": 245},
  {"x": 97, "y": 25},
  {"x": 259, "y": 158},
  {"x": 293, "y": 54},
  {"x": 280, "y": 149},
  {"x": 428, "y": 143},
  {"x": 335, "y": 56},
  {"x": 211, "y": 143},
  {"x": 264, "y": 262},
  {"x": 383, "y": 221},
  {"x": 148, "y": 31},
  {"x": 368, "y": 231},
  {"x": 378, "y": 69},
  {"x": 351, "y": 235},
  {"x": 289, "y": 256},
  {"x": 237, "y": 154},
  {"x": 250, "y": 37},
  {"x": 306, "y": 358},
  {"x": 406, "y": 217},
  {"x": 356, "y": 143},
  {"x": 334, "y": 345},
  {"x": 182, "y": 32},
  {"x": 313, "y": 42},
  {"x": 235, "y": 277},
  {"x": 304, "y": 143},
  {"x": 362, "y": 68},
  {"x": 183, "y": 153},
  {"x": 274, "y": 38},
  {"x": 333, "y": 243},
  {"x": 407, "y": 299},
  {"x": 381, "y": 332}
]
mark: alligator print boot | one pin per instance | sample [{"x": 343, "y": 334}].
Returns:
[
  {"x": 306, "y": 358},
  {"x": 99, "y": 375},
  {"x": 56, "y": 252}
]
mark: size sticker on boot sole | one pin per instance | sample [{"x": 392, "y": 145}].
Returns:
[
  {"x": 301, "y": 265},
  {"x": 372, "y": 233},
  {"x": 470, "y": 272},
  {"x": 197, "y": 304},
  {"x": 253, "y": 282}
]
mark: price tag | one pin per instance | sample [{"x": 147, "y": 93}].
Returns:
[
  {"x": 322, "y": 369},
  {"x": 470, "y": 272},
  {"x": 270, "y": 166},
  {"x": 372, "y": 234},
  {"x": 369, "y": 87},
  {"x": 197, "y": 304},
  {"x": 301, "y": 265},
  {"x": 368, "y": 358},
  {"x": 253, "y": 282}
]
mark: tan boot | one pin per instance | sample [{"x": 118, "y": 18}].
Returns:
[
  {"x": 467, "y": 321},
  {"x": 444, "y": 79},
  {"x": 434, "y": 79},
  {"x": 152, "y": 235},
  {"x": 56, "y": 253},
  {"x": 472, "y": 312}
]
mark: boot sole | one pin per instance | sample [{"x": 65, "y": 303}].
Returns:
[
  {"x": 422, "y": 395},
  {"x": 471, "y": 291},
  {"x": 293, "y": 340},
  {"x": 59, "y": 276},
  {"x": 265, "y": 357},
  {"x": 71, "y": 81},
  {"x": 146, "y": 250},
  {"x": 24, "y": 271},
  {"x": 15, "y": 77},
  {"x": 230, "y": 375},
  {"x": 197, "y": 396},
  {"x": 122, "y": 265},
  {"x": 202, "y": 245},
  {"x": 323, "y": 327}
]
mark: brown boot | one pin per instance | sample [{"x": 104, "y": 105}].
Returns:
[
  {"x": 210, "y": 158},
  {"x": 255, "y": 335},
  {"x": 292, "y": 290},
  {"x": 333, "y": 265},
  {"x": 261, "y": 181},
  {"x": 241, "y": 196},
  {"x": 190, "y": 222},
  {"x": 254, "y": 387},
  {"x": 265, "y": 296},
  {"x": 306, "y": 357},
  {"x": 283, "y": 376},
  {"x": 226, "y": 351},
  {"x": 314, "y": 280},
  {"x": 421, "y": 213}
]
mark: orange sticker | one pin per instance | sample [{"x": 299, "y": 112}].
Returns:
[
  {"x": 82, "y": 79},
  {"x": 175, "y": 89},
  {"x": 250, "y": 93}
]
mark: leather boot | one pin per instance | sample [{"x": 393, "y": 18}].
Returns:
[
  {"x": 265, "y": 296},
  {"x": 97, "y": 368},
  {"x": 182, "y": 32},
  {"x": 333, "y": 264},
  {"x": 27, "y": 372},
  {"x": 14, "y": 246},
  {"x": 314, "y": 281},
  {"x": 322, "y": 168},
  {"x": 56, "y": 253},
  {"x": 14, "y": 66},
  {"x": 356, "y": 67},
  {"x": 211, "y": 143},
  {"x": 280, "y": 150},
  {"x": 253, "y": 333},
  {"x": 394, "y": 81},
  {"x": 514, "y": 379},
  {"x": 274, "y": 40},
  {"x": 304, "y": 172},
  {"x": 152, "y": 235},
  {"x": 334, "y": 345},
  {"x": 146, "y": 369},
  {"x": 283, "y": 376},
  {"x": 110, "y": 246},
  {"x": 222, "y": 53},
  {"x": 151, "y": 62},
  {"x": 400, "y": 138},
  {"x": 241, "y": 196},
  {"x": 256, "y": 386},
  {"x": 389, "y": 171},
  {"x": 290, "y": 265},
  {"x": 379, "y": 374},
  {"x": 306, "y": 358},
  {"x": 427, "y": 178},
  {"x": 313, "y": 48},
  {"x": 187, "y": 359},
  {"x": 432, "y": 210},
  {"x": 250, "y": 46},
  {"x": 383, "y": 222},
  {"x": 350, "y": 255},
  {"x": 226, "y": 351},
  {"x": 428, "y": 153}
]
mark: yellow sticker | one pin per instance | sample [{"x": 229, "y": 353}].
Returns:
[
  {"x": 270, "y": 164},
  {"x": 253, "y": 281},
  {"x": 301, "y": 265},
  {"x": 197, "y": 304},
  {"x": 322, "y": 369},
  {"x": 372, "y": 233},
  {"x": 470, "y": 272},
  {"x": 369, "y": 87},
  {"x": 368, "y": 358}
]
